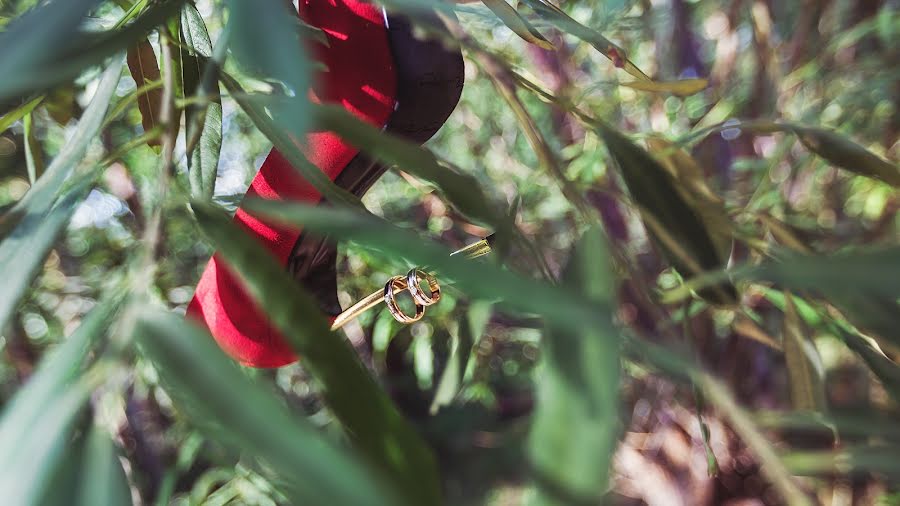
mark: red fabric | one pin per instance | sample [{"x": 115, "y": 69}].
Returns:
[{"x": 360, "y": 77}]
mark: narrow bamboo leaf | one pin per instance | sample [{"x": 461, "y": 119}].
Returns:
[
  {"x": 459, "y": 366},
  {"x": 804, "y": 365},
  {"x": 30, "y": 40},
  {"x": 671, "y": 221},
  {"x": 144, "y": 70},
  {"x": 846, "y": 154},
  {"x": 19, "y": 112},
  {"x": 481, "y": 280},
  {"x": 56, "y": 371},
  {"x": 519, "y": 25},
  {"x": 74, "y": 54},
  {"x": 47, "y": 405},
  {"x": 682, "y": 87},
  {"x": 203, "y": 156},
  {"x": 287, "y": 144},
  {"x": 867, "y": 424},
  {"x": 461, "y": 190},
  {"x": 44, "y": 192},
  {"x": 874, "y": 271},
  {"x": 266, "y": 41},
  {"x": 576, "y": 424},
  {"x": 198, "y": 374},
  {"x": 880, "y": 459},
  {"x": 103, "y": 480},
  {"x": 34, "y": 157},
  {"x": 22, "y": 253},
  {"x": 371, "y": 420},
  {"x": 691, "y": 184},
  {"x": 874, "y": 313},
  {"x": 886, "y": 370},
  {"x": 562, "y": 21}
]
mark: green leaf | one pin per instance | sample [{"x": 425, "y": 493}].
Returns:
[
  {"x": 575, "y": 426},
  {"x": 482, "y": 280},
  {"x": 43, "y": 193},
  {"x": 255, "y": 107},
  {"x": 458, "y": 367},
  {"x": 804, "y": 365},
  {"x": 22, "y": 253},
  {"x": 519, "y": 25},
  {"x": 461, "y": 190},
  {"x": 846, "y": 154},
  {"x": 69, "y": 57},
  {"x": 563, "y": 22},
  {"x": 36, "y": 36},
  {"x": 676, "y": 227},
  {"x": 197, "y": 373},
  {"x": 886, "y": 370},
  {"x": 371, "y": 420},
  {"x": 19, "y": 112},
  {"x": 36, "y": 222},
  {"x": 847, "y": 461},
  {"x": 36, "y": 424},
  {"x": 266, "y": 41},
  {"x": 204, "y": 120},
  {"x": 681, "y": 87},
  {"x": 874, "y": 271},
  {"x": 103, "y": 480}
]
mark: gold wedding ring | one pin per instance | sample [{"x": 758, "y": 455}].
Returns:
[{"x": 412, "y": 283}]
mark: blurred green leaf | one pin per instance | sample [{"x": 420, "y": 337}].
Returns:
[
  {"x": 19, "y": 112},
  {"x": 575, "y": 426},
  {"x": 462, "y": 190},
  {"x": 285, "y": 143},
  {"x": 204, "y": 121},
  {"x": 670, "y": 220},
  {"x": 266, "y": 41},
  {"x": 69, "y": 56},
  {"x": 34, "y": 158},
  {"x": 43, "y": 193},
  {"x": 462, "y": 343},
  {"x": 880, "y": 459},
  {"x": 846, "y": 154},
  {"x": 252, "y": 418},
  {"x": 371, "y": 420},
  {"x": 478, "y": 279},
  {"x": 804, "y": 365},
  {"x": 691, "y": 183},
  {"x": 103, "y": 480},
  {"x": 22, "y": 253},
  {"x": 36, "y": 425},
  {"x": 34, "y": 221},
  {"x": 681, "y": 88},
  {"x": 144, "y": 70},
  {"x": 519, "y": 25},
  {"x": 40, "y": 33},
  {"x": 871, "y": 270},
  {"x": 886, "y": 370}
]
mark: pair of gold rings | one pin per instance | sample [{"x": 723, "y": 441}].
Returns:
[{"x": 413, "y": 284}]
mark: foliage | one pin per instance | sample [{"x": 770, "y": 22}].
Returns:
[{"x": 696, "y": 259}]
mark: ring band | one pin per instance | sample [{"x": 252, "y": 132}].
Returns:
[
  {"x": 399, "y": 283},
  {"x": 413, "y": 278}
]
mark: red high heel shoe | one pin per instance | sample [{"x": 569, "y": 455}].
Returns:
[{"x": 383, "y": 75}]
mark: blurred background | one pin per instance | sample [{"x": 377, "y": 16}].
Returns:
[{"x": 823, "y": 63}]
